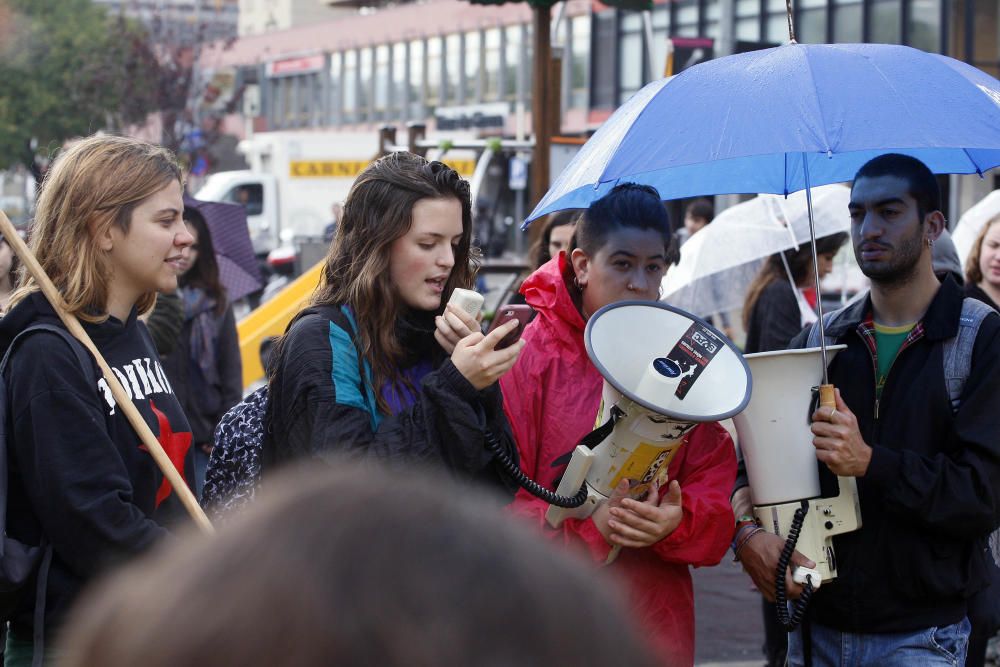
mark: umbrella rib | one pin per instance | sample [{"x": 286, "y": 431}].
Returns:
[{"x": 819, "y": 106}]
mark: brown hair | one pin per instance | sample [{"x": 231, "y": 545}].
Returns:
[
  {"x": 378, "y": 211},
  {"x": 95, "y": 184},
  {"x": 540, "y": 250},
  {"x": 331, "y": 567},
  {"x": 973, "y": 274},
  {"x": 799, "y": 263}
]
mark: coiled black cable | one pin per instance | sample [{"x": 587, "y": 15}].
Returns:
[
  {"x": 528, "y": 484},
  {"x": 790, "y": 623}
]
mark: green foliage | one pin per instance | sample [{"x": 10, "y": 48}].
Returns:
[{"x": 68, "y": 70}]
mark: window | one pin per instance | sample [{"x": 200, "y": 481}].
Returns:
[
  {"x": 847, "y": 20},
  {"x": 399, "y": 92},
  {"x": 686, "y": 13},
  {"x": 512, "y": 61},
  {"x": 748, "y": 29},
  {"x": 381, "y": 83},
  {"x": 452, "y": 92},
  {"x": 336, "y": 87},
  {"x": 491, "y": 65},
  {"x": 366, "y": 71},
  {"x": 351, "y": 81},
  {"x": 417, "y": 82},
  {"x": 777, "y": 28},
  {"x": 603, "y": 75},
  {"x": 248, "y": 195},
  {"x": 661, "y": 33},
  {"x": 711, "y": 20},
  {"x": 810, "y": 28},
  {"x": 923, "y": 25},
  {"x": 470, "y": 56},
  {"x": 630, "y": 56},
  {"x": 579, "y": 65},
  {"x": 884, "y": 22},
  {"x": 434, "y": 82}
]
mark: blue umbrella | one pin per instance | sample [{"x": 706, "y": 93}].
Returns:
[{"x": 782, "y": 119}]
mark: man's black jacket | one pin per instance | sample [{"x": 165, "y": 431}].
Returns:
[{"x": 931, "y": 494}]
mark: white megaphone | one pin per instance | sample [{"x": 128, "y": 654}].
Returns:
[
  {"x": 776, "y": 442},
  {"x": 664, "y": 372}
]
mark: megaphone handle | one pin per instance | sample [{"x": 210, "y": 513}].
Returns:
[{"x": 827, "y": 399}]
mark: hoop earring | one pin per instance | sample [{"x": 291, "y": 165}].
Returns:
[{"x": 576, "y": 283}]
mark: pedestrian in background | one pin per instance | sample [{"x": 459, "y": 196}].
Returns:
[
  {"x": 698, "y": 213},
  {"x": 108, "y": 232},
  {"x": 982, "y": 268},
  {"x": 556, "y": 237},
  {"x": 552, "y": 397},
  {"x": 782, "y": 298},
  {"x": 205, "y": 368}
]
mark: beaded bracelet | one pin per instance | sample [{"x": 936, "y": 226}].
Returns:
[{"x": 742, "y": 542}]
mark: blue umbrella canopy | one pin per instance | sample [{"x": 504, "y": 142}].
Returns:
[{"x": 747, "y": 123}]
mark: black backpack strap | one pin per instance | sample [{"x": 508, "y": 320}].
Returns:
[
  {"x": 41, "y": 588},
  {"x": 82, "y": 355}
]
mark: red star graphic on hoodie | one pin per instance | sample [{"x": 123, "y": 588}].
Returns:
[{"x": 175, "y": 445}]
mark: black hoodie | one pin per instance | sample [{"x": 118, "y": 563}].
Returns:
[{"x": 79, "y": 477}]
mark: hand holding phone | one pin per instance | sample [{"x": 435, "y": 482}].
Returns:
[
  {"x": 519, "y": 312},
  {"x": 483, "y": 359}
]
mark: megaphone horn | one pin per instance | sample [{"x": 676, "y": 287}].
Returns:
[{"x": 665, "y": 371}]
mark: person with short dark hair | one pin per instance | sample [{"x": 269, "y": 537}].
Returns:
[
  {"x": 303, "y": 579},
  {"x": 552, "y": 397},
  {"x": 928, "y": 472}
]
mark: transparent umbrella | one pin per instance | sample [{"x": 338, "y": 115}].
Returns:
[
  {"x": 719, "y": 262},
  {"x": 971, "y": 223}
]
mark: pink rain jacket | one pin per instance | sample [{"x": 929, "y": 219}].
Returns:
[{"x": 551, "y": 398}]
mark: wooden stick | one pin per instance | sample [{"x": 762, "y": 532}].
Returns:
[
  {"x": 124, "y": 402},
  {"x": 827, "y": 399}
]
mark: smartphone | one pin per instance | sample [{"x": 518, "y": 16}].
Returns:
[
  {"x": 467, "y": 300},
  {"x": 519, "y": 312}
]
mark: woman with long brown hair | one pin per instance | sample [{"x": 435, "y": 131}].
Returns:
[
  {"x": 774, "y": 309},
  {"x": 108, "y": 231},
  {"x": 376, "y": 365}
]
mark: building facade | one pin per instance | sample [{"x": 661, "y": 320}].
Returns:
[
  {"x": 451, "y": 64},
  {"x": 181, "y": 22}
]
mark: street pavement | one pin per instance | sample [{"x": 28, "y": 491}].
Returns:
[{"x": 728, "y": 627}]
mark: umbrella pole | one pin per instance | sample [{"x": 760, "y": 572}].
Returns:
[
  {"x": 826, "y": 395},
  {"x": 121, "y": 398}
]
